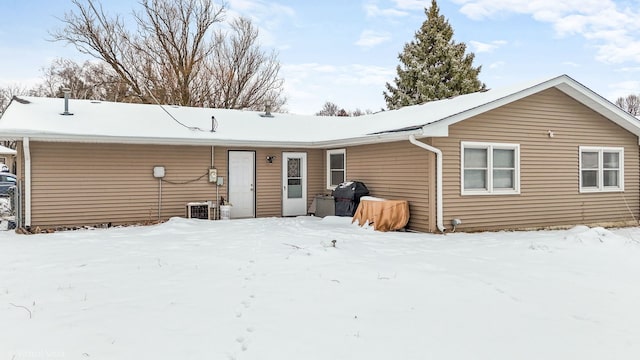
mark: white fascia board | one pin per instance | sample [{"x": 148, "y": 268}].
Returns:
[
  {"x": 362, "y": 140},
  {"x": 436, "y": 129},
  {"x": 370, "y": 139}
]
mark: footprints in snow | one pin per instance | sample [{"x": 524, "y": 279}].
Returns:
[{"x": 243, "y": 340}]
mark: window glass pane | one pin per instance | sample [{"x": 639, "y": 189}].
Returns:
[
  {"x": 589, "y": 160},
  {"x": 336, "y": 161},
  {"x": 337, "y": 177},
  {"x": 293, "y": 167},
  {"x": 475, "y": 179},
  {"x": 589, "y": 178},
  {"x": 294, "y": 192},
  {"x": 503, "y": 179},
  {"x": 503, "y": 158},
  {"x": 475, "y": 158},
  {"x": 610, "y": 160},
  {"x": 610, "y": 178}
]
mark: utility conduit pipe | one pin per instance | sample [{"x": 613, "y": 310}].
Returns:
[{"x": 438, "y": 152}]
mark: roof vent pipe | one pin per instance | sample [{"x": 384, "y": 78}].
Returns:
[
  {"x": 67, "y": 93},
  {"x": 267, "y": 109}
]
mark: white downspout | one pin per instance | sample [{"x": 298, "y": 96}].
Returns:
[
  {"x": 27, "y": 182},
  {"x": 438, "y": 152}
]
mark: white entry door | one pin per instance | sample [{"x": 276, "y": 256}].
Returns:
[
  {"x": 294, "y": 180},
  {"x": 241, "y": 184}
]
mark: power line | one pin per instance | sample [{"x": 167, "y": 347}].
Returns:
[{"x": 117, "y": 45}]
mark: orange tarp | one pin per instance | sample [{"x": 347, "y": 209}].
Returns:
[{"x": 383, "y": 215}]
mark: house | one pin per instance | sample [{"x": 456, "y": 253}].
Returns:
[
  {"x": 540, "y": 154},
  {"x": 7, "y": 156}
]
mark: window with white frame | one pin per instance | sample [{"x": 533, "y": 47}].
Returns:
[
  {"x": 601, "y": 169},
  {"x": 490, "y": 168},
  {"x": 336, "y": 167}
]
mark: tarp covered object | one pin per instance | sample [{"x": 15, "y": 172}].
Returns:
[{"x": 383, "y": 215}]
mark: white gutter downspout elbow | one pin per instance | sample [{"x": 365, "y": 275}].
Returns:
[
  {"x": 438, "y": 152},
  {"x": 27, "y": 182}
]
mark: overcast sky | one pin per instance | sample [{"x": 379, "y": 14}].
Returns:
[{"x": 344, "y": 51}]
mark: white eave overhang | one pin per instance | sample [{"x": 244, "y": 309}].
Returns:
[{"x": 321, "y": 144}]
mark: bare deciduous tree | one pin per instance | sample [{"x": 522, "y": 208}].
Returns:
[
  {"x": 175, "y": 54},
  {"x": 243, "y": 76},
  {"x": 91, "y": 80},
  {"x": 328, "y": 109},
  {"x": 331, "y": 109},
  {"x": 631, "y": 104},
  {"x": 6, "y": 94}
]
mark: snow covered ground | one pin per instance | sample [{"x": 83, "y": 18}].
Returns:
[{"x": 276, "y": 289}]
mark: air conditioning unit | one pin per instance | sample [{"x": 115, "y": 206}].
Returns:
[{"x": 199, "y": 210}]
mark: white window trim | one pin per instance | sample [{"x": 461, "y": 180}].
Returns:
[
  {"x": 343, "y": 152},
  {"x": 600, "y": 150},
  {"x": 489, "y": 147}
]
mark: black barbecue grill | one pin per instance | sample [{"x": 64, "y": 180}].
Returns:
[{"x": 347, "y": 196}]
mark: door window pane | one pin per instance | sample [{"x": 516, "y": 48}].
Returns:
[
  {"x": 294, "y": 189},
  {"x": 293, "y": 167},
  {"x": 294, "y": 181}
]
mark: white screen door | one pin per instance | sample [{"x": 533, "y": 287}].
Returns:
[
  {"x": 294, "y": 181},
  {"x": 241, "y": 183}
]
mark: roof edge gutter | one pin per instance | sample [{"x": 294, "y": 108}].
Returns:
[
  {"x": 27, "y": 181},
  {"x": 438, "y": 152}
]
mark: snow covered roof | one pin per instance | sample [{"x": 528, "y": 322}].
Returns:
[
  {"x": 6, "y": 151},
  {"x": 101, "y": 121}
]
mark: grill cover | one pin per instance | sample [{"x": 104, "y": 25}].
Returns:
[{"x": 347, "y": 196}]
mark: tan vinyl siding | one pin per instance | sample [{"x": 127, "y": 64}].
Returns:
[
  {"x": 397, "y": 170},
  {"x": 268, "y": 183},
  {"x": 88, "y": 184},
  {"x": 549, "y": 166},
  {"x": 317, "y": 182}
]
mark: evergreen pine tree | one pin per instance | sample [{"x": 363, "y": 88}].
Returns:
[{"x": 433, "y": 66}]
